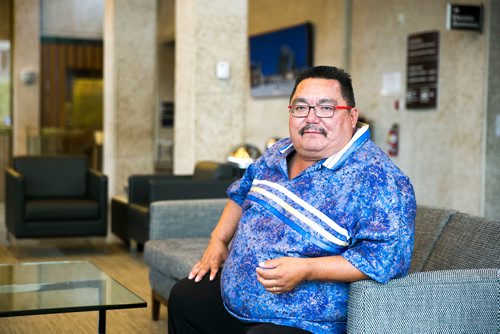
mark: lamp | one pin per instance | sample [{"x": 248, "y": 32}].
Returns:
[{"x": 243, "y": 155}]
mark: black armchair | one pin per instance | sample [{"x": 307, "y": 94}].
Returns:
[
  {"x": 55, "y": 196},
  {"x": 130, "y": 220},
  {"x": 163, "y": 190}
]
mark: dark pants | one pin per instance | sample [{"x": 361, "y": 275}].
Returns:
[{"x": 196, "y": 308}]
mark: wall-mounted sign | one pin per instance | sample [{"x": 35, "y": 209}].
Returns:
[
  {"x": 464, "y": 17},
  {"x": 422, "y": 70}
]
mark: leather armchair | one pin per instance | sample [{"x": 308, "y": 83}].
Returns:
[
  {"x": 209, "y": 180},
  {"x": 55, "y": 196}
]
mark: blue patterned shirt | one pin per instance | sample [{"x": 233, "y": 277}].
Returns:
[{"x": 357, "y": 204}]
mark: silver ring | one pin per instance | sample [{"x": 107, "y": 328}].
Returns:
[{"x": 274, "y": 289}]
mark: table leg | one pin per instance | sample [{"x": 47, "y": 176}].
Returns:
[{"x": 102, "y": 321}]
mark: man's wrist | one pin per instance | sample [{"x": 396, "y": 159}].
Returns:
[
  {"x": 215, "y": 237},
  {"x": 308, "y": 270}
]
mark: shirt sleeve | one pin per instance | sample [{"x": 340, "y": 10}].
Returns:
[
  {"x": 261, "y": 167},
  {"x": 239, "y": 189},
  {"x": 383, "y": 240}
]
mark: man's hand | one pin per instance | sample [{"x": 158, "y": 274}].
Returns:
[
  {"x": 217, "y": 250},
  {"x": 282, "y": 274},
  {"x": 285, "y": 273},
  {"x": 212, "y": 260}
]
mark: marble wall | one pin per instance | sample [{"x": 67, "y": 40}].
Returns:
[
  {"x": 441, "y": 149},
  {"x": 492, "y": 126},
  {"x": 209, "y": 111},
  {"x": 26, "y": 62},
  {"x": 130, "y": 102}
]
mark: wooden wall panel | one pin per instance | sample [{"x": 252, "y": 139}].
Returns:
[
  {"x": 5, "y": 19},
  {"x": 59, "y": 60}
]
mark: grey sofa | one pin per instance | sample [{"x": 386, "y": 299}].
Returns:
[{"x": 453, "y": 286}]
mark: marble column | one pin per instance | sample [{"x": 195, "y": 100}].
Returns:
[
  {"x": 492, "y": 128},
  {"x": 209, "y": 108},
  {"x": 130, "y": 86},
  {"x": 26, "y": 74}
]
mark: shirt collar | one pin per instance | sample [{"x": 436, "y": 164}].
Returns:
[{"x": 360, "y": 136}]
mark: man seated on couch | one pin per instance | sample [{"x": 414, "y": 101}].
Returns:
[{"x": 318, "y": 210}]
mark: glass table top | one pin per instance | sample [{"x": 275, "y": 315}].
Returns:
[{"x": 63, "y": 286}]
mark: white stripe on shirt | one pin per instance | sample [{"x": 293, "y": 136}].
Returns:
[{"x": 304, "y": 205}]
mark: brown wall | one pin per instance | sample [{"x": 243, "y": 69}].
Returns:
[{"x": 5, "y": 14}]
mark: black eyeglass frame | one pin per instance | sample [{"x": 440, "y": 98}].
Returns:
[{"x": 334, "y": 109}]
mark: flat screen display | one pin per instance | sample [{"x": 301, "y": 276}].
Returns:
[{"x": 276, "y": 58}]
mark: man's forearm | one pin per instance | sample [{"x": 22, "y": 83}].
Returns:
[
  {"x": 332, "y": 268},
  {"x": 228, "y": 222}
]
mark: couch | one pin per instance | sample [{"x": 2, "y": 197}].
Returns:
[
  {"x": 130, "y": 217},
  {"x": 452, "y": 287},
  {"x": 55, "y": 196}
]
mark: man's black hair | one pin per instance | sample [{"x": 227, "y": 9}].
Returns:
[{"x": 330, "y": 73}]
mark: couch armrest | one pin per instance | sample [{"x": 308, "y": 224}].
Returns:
[
  {"x": 98, "y": 191},
  {"x": 14, "y": 199},
  {"x": 97, "y": 186},
  {"x": 184, "y": 218},
  {"x": 448, "y": 301}
]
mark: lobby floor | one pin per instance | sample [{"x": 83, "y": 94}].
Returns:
[{"x": 111, "y": 257}]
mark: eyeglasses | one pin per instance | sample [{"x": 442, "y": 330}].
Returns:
[{"x": 321, "y": 111}]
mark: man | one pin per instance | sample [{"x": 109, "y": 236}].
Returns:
[{"x": 317, "y": 211}]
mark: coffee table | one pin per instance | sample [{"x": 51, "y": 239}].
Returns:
[{"x": 60, "y": 287}]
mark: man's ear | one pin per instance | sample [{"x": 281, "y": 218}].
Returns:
[{"x": 354, "y": 117}]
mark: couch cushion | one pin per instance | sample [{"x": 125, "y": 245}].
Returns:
[
  {"x": 174, "y": 257},
  {"x": 466, "y": 242},
  {"x": 53, "y": 176},
  {"x": 61, "y": 209},
  {"x": 429, "y": 224}
]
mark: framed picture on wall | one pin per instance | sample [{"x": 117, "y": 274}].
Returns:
[{"x": 276, "y": 57}]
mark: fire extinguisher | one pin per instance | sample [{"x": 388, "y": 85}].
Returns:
[{"x": 393, "y": 140}]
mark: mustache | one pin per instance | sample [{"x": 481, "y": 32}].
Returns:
[{"x": 312, "y": 127}]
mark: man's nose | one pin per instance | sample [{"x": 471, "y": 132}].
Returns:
[{"x": 311, "y": 116}]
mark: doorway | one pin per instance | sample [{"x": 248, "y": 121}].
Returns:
[{"x": 71, "y": 99}]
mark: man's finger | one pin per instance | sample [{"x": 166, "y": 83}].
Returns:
[
  {"x": 213, "y": 273},
  {"x": 269, "y": 264},
  {"x": 266, "y": 273},
  {"x": 194, "y": 271},
  {"x": 200, "y": 275}
]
